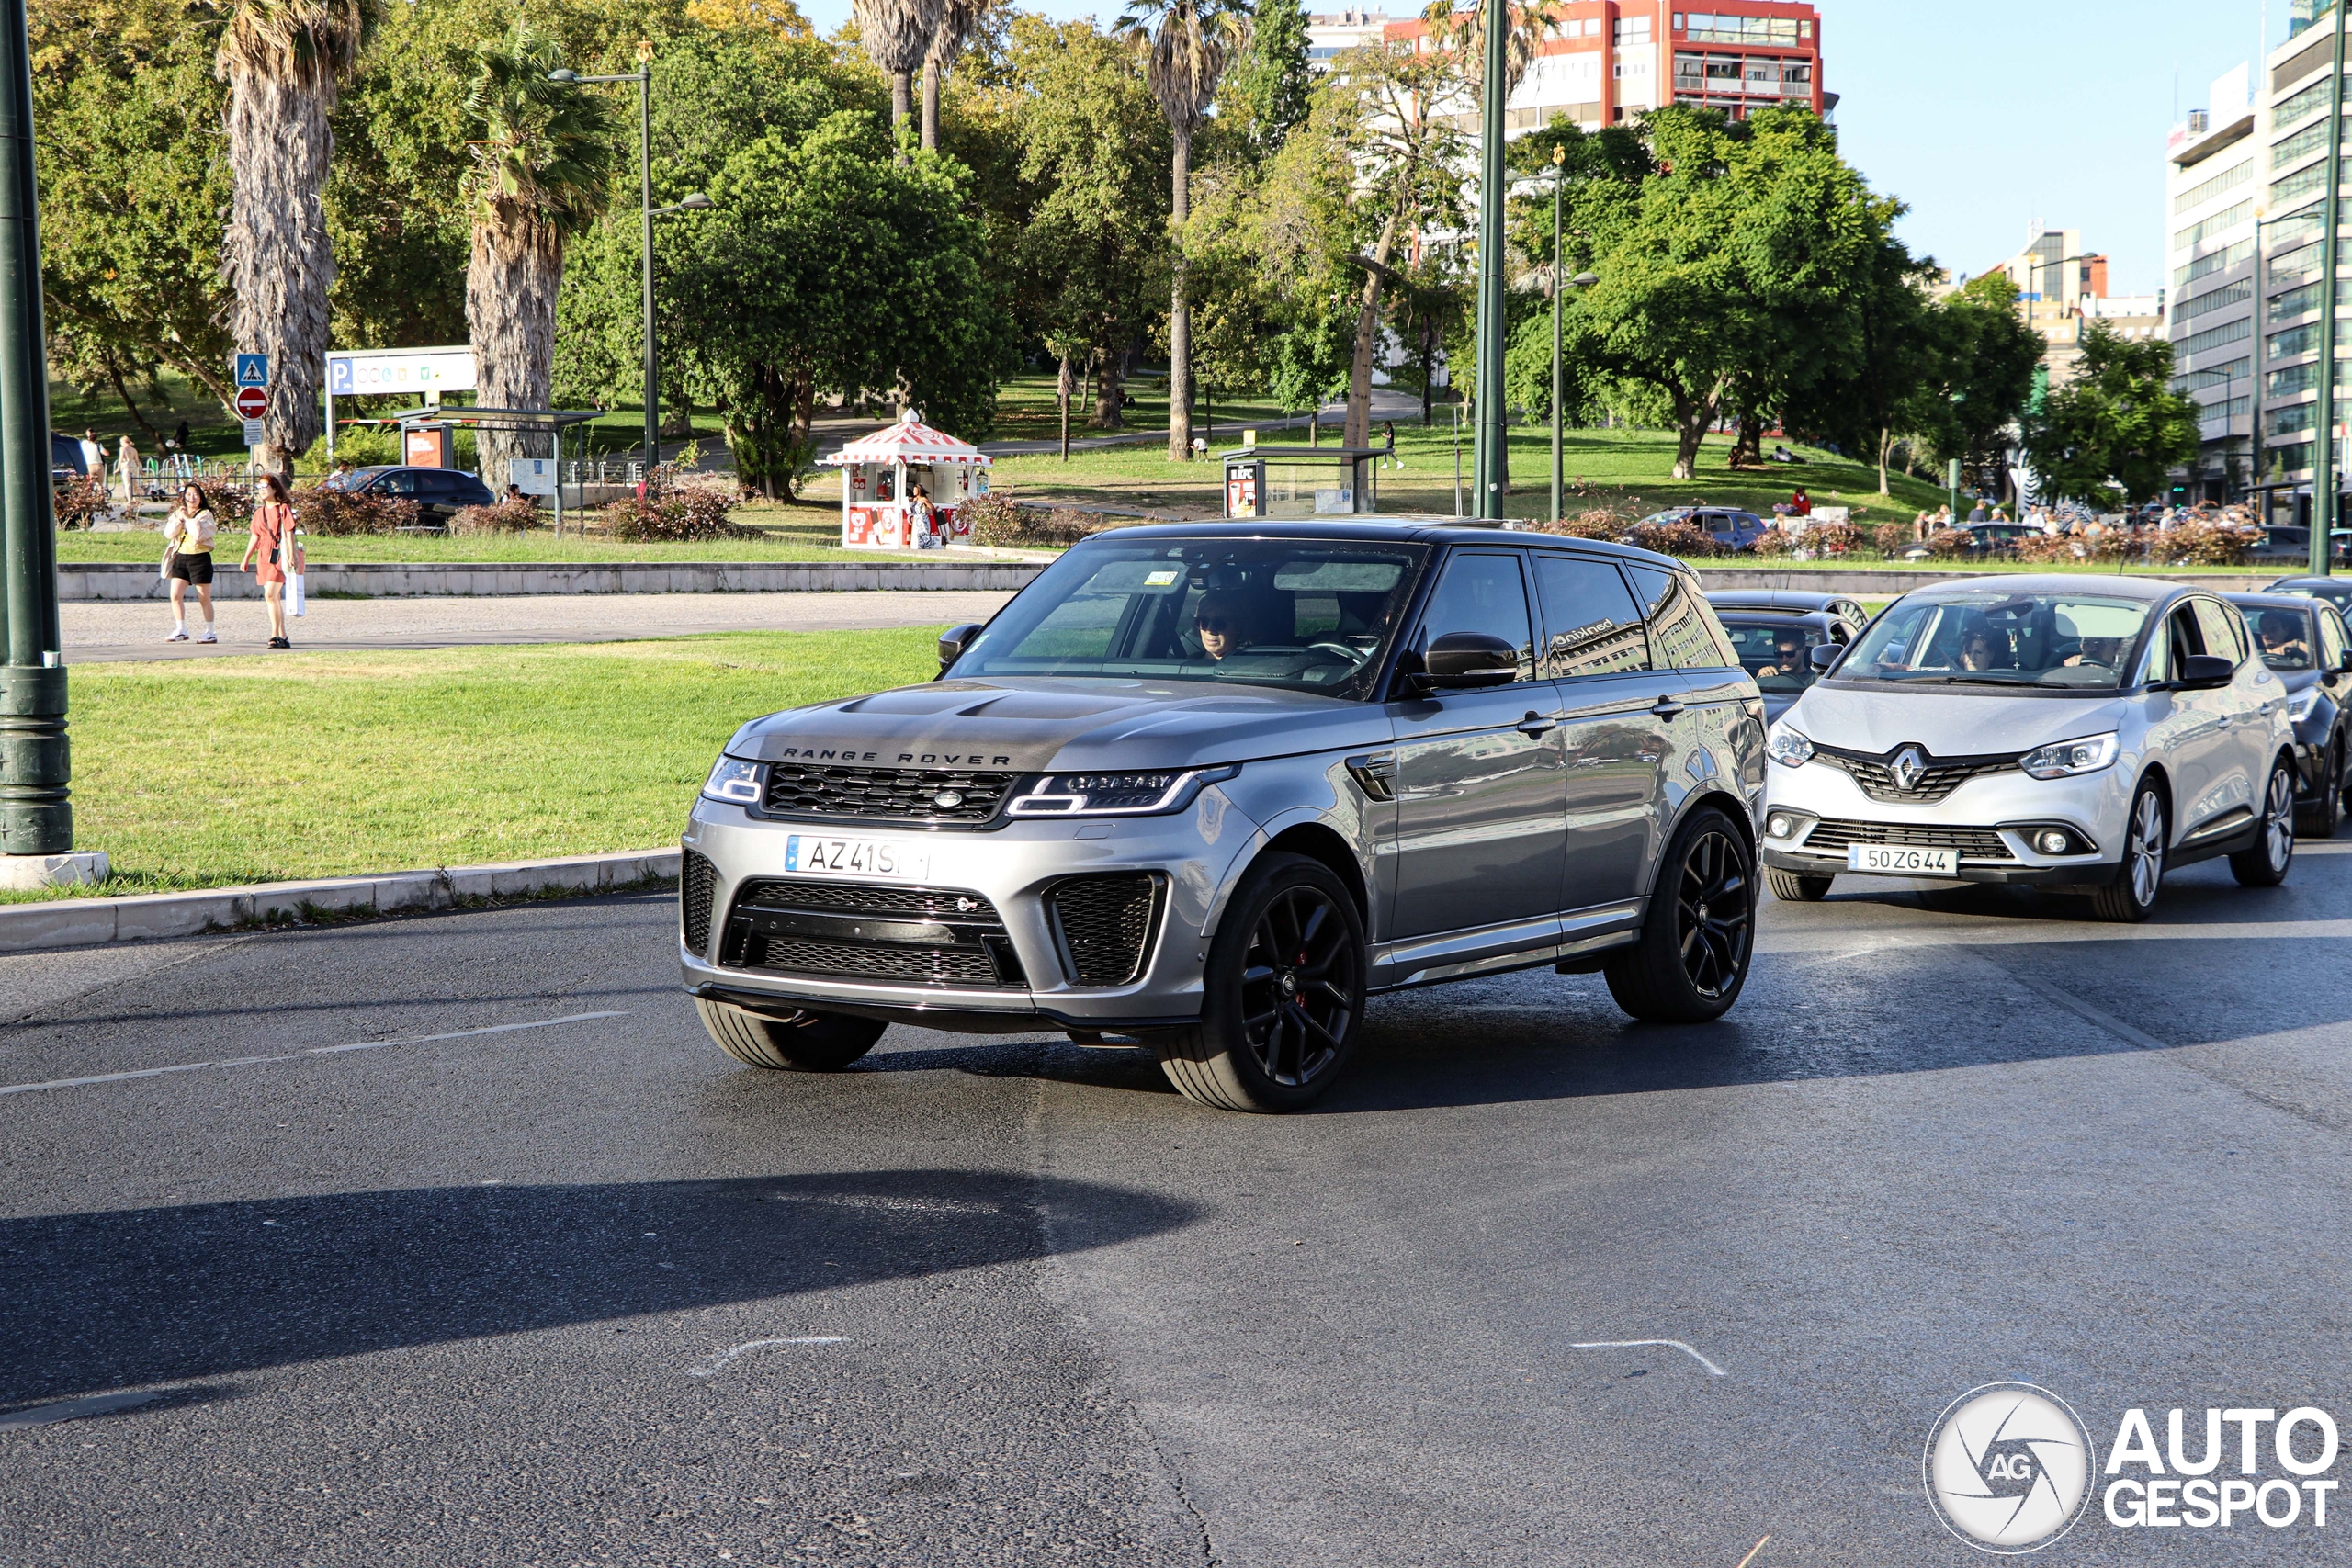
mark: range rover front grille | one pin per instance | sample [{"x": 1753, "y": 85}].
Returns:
[
  {"x": 851, "y": 930},
  {"x": 697, "y": 882},
  {"x": 1831, "y": 835},
  {"x": 898, "y": 795},
  {"x": 1103, "y": 925},
  {"x": 1936, "y": 780}
]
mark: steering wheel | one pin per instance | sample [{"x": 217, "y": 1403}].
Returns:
[{"x": 1352, "y": 655}]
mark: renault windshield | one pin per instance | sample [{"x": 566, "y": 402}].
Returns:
[
  {"x": 1309, "y": 614},
  {"x": 1995, "y": 640}
]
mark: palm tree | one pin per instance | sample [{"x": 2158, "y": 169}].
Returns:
[
  {"x": 897, "y": 34},
  {"x": 1189, "y": 44},
  {"x": 956, "y": 20},
  {"x": 284, "y": 61},
  {"x": 543, "y": 160}
]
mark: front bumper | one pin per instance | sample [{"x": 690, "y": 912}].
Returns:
[
  {"x": 1011, "y": 868},
  {"x": 1992, "y": 820}
]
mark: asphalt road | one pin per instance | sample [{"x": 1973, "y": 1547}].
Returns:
[{"x": 584, "y": 1291}]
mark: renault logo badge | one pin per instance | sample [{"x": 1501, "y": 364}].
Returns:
[{"x": 1908, "y": 764}]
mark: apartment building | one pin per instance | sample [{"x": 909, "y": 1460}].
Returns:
[
  {"x": 2062, "y": 288},
  {"x": 1601, "y": 61},
  {"x": 2246, "y": 178}
]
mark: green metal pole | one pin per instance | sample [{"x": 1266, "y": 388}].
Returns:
[
  {"x": 36, "y": 817},
  {"x": 1486, "y": 499},
  {"x": 2323, "y": 485},
  {"x": 1559, "y": 286},
  {"x": 653, "y": 369}
]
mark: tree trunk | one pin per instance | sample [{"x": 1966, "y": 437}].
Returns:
[
  {"x": 1885, "y": 450},
  {"x": 1748, "y": 450},
  {"x": 902, "y": 104},
  {"x": 931, "y": 106},
  {"x": 114, "y": 375},
  {"x": 1692, "y": 417},
  {"x": 1357, "y": 429},
  {"x": 1180, "y": 314},
  {"x": 275, "y": 258},
  {"x": 1064, "y": 388},
  {"x": 1108, "y": 368},
  {"x": 512, "y": 277}
]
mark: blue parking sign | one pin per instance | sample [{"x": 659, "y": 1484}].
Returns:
[{"x": 253, "y": 370}]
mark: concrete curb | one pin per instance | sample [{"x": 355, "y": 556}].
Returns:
[
  {"x": 93, "y": 922},
  {"x": 125, "y": 580},
  {"x": 1881, "y": 583}
]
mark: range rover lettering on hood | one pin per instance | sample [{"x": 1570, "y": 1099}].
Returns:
[{"x": 904, "y": 759}]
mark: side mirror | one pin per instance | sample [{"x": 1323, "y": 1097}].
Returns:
[
  {"x": 2344, "y": 662},
  {"x": 2203, "y": 672},
  {"x": 1823, "y": 655},
  {"x": 1465, "y": 661},
  {"x": 954, "y": 641}
]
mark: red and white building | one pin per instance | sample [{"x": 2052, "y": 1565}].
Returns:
[{"x": 1601, "y": 62}]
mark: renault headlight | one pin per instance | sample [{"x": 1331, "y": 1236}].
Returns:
[
  {"x": 2065, "y": 759},
  {"x": 735, "y": 781},
  {"x": 2300, "y": 705},
  {"x": 1146, "y": 793},
  {"x": 1789, "y": 747}
]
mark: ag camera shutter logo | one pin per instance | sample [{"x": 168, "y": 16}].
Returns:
[{"x": 2007, "y": 1468}]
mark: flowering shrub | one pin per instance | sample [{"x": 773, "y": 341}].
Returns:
[
  {"x": 340, "y": 514},
  {"x": 77, "y": 501},
  {"x": 1773, "y": 542},
  {"x": 1833, "y": 538},
  {"x": 1601, "y": 523},
  {"x": 2202, "y": 543},
  {"x": 1676, "y": 538},
  {"x": 1893, "y": 538},
  {"x": 674, "y": 516},
  {"x": 1946, "y": 543},
  {"x": 2109, "y": 545},
  {"x": 1004, "y": 524},
  {"x": 512, "y": 516}
]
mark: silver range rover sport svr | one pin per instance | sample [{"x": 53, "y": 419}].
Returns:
[{"x": 1206, "y": 788}]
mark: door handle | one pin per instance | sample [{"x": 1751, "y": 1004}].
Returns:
[
  {"x": 1535, "y": 723},
  {"x": 1665, "y": 707}
]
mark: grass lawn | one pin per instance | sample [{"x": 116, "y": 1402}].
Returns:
[
  {"x": 816, "y": 538},
  {"x": 331, "y": 764}
]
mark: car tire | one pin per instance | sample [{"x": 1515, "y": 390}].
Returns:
[
  {"x": 2319, "y": 821},
  {"x": 1790, "y": 887},
  {"x": 1282, "y": 997},
  {"x": 2273, "y": 855},
  {"x": 1693, "y": 957},
  {"x": 2132, "y": 897},
  {"x": 803, "y": 1042}
]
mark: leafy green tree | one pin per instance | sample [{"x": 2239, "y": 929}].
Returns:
[
  {"x": 1270, "y": 89},
  {"x": 2117, "y": 426},
  {"x": 1885, "y": 364},
  {"x": 1986, "y": 360}
]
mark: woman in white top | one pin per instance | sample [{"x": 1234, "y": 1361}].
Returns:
[{"x": 188, "y": 558}]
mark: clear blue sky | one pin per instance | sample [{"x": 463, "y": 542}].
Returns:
[{"x": 1986, "y": 114}]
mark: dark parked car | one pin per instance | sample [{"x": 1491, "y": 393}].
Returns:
[
  {"x": 1789, "y": 601},
  {"x": 2292, "y": 542},
  {"x": 65, "y": 460},
  {"x": 439, "y": 493},
  {"x": 1996, "y": 539},
  {"x": 2303, "y": 642},
  {"x": 2336, "y": 590},
  {"x": 1776, "y": 649},
  {"x": 1737, "y": 530}
]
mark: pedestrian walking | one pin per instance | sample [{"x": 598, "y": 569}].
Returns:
[
  {"x": 269, "y": 553},
  {"x": 187, "y": 560},
  {"x": 94, "y": 458},
  {"x": 1977, "y": 513},
  {"x": 127, "y": 475}
]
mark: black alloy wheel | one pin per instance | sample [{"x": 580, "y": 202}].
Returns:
[
  {"x": 1300, "y": 980},
  {"x": 1693, "y": 954},
  {"x": 1282, "y": 993}
]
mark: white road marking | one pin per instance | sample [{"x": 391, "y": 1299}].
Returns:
[
  {"x": 2041, "y": 934},
  {"x": 899, "y": 1206},
  {"x": 73, "y": 1409},
  {"x": 1633, "y": 1344},
  {"x": 1751, "y": 1552},
  {"x": 713, "y": 1367},
  {"x": 314, "y": 1051},
  {"x": 2088, "y": 1013}
]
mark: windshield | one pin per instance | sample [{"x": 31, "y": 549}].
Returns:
[
  {"x": 1774, "y": 649},
  {"x": 2000, "y": 639},
  {"x": 2283, "y": 637},
  {"x": 1310, "y": 615}
]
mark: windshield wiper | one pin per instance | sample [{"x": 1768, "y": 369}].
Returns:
[{"x": 1960, "y": 680}]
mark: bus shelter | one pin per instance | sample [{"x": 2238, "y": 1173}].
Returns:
[
  {"x": 879, "y": 473},
  {"x": 533, "y": 476},
  {"x": 1302, "y": 481}
]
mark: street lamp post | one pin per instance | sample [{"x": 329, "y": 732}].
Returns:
[
  {"x": 1487, "y": 401},
  {"x": 693, "y": 202},
  {"x": 2324, "y": 487}
]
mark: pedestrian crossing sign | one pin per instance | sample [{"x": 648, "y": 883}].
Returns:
[{"x": 253, "y": 370}]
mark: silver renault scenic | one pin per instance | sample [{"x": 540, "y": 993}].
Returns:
[{"x": 1206, "y": 788}]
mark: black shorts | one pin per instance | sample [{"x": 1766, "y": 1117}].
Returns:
[{"x": 191, "y": 568}]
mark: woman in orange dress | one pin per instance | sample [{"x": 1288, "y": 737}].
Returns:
[{"x": 272, "y": 542}]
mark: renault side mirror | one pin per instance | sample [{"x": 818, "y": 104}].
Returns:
[
  {"x": 954, "y": 641},
  {"x": 1465, "y": 661},
  {"x": 2199, "y": 672}
]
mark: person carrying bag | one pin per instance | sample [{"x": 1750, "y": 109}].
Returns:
[
  {"x": 272, "y": 543},
  {"x": 187, "y": 560}
]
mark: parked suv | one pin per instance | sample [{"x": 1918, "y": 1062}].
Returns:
[
  {"x": 1208, "y": 787},
  {"x": 2086, "y": 733}
]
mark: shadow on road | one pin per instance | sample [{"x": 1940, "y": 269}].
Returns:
[{"x": 130, "y": 1297}]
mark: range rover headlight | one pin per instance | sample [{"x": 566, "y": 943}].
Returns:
[
  {"x": 737, "y": 781},
  {"x": 1789, "y": 747},
  {"x": 1146, "y": 793},
  {"x": 2066, "y": 758}
]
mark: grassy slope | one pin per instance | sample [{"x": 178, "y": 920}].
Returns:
[{"x": 253, "y": 770}]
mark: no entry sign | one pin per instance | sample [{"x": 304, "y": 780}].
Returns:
[{"x": 252, "y": 403}]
